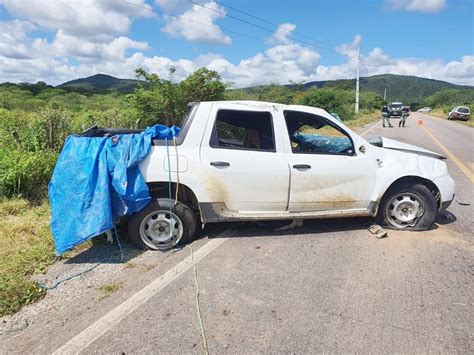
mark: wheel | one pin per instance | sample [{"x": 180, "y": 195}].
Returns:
[
  {"x": 449, "y": 117},
  {"x": 162, "y": 225},
  {"x": 409, "y": 207}
]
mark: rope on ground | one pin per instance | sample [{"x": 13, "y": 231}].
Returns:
[
  {"x": 46, "y": 287},
  {"x": 198, "y": 307}
]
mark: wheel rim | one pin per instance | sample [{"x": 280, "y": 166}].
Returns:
[
  {"x": 404, "y": 210},
  {"x": 161, "y": 230}
]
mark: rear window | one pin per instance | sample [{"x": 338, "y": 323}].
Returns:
[
  {"x": 245, "y": 130},
  {"x": 463, "y": 110},
  {"x": 396, "y": 105}
]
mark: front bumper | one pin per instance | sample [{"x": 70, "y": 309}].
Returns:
[
  {"x": 444, "y": 205},
  {"x": 446, "y": 187}
]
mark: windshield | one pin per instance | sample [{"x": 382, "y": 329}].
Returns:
[
  {"x": 463, "y": 110},
  {"x": 396, "y": 105}
]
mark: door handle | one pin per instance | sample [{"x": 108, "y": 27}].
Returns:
[
  {"x": 302, "y": 166},
  {"x": 220, "y": 163}
]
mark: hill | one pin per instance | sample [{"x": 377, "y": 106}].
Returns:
[
  {"x": 407, "y": 89},
  {"x": 101, "y": 82}
]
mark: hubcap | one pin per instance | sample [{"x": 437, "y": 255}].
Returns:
[
  {"x": 161, "y": 230},
  {"x": 404, "y": 209}
]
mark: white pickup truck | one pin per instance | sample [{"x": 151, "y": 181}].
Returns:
[{"x": 249, "y": 161}]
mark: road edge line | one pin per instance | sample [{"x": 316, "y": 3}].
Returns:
[
  {"x": 451, "y": 156},
  {"x": 369, "y": 129},
  {"x": 115, "y": 316}
]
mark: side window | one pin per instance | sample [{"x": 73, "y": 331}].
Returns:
[
  {"x": 246, "y": 130},
  {"x": 310, "y": 133}
]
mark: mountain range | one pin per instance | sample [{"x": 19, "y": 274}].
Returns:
[{"x": 399, "y": 87}]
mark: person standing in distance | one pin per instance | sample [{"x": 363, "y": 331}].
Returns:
[{"x": 385, "y": 116}]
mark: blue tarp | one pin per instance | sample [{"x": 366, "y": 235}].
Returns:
[{"x": 96, "y": 180}]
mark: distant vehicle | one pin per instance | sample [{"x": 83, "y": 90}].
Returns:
[
  {"x": 336, "y": 116},
  {"x": 395, "y": 109},
  {"x": 424, "y": 109},
  {"x": 460, "y": 113}
]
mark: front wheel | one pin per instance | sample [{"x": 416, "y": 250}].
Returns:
[
  {"x": 162, "y": 225},
  {"x": 408, "y": 207}
]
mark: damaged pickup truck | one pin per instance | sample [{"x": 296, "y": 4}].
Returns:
[{"x": 248, "y": 161}]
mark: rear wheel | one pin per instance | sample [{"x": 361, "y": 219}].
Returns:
[
  {"x": 409, "y": 207},
  {"x": 162, "y": 225}
]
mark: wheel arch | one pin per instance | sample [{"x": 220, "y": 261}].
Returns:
[
  {"x": 413, "y": 179},
  {"x": 161, "y": 189}
]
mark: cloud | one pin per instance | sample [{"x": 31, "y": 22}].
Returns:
[
  {"x": 282, "y": 34},
  {"x": 24, "y": 57},
  {"x": 417, "y": 5},
  {"x": 196, "y": 23},
  {"x": 95, "y": 19},
  {"x": 13, "y": 36},
  {"x": 350, "y": 49}
]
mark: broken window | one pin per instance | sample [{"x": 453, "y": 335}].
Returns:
[
  {"x": 248, "y": 130},
  {"x": 310, "y": 133}
]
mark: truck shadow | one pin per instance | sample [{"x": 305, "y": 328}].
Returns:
[{"x": 102, "y": 252}]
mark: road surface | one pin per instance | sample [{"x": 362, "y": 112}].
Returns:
[{"x": 329, "y": 286}]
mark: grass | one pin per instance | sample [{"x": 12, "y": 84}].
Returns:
[
  {"x": 26, "y": 248},
  {"x": 109, "y": 289},
  {"x": 364, "y": 118}
]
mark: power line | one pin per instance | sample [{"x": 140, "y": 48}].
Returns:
[
  {"x": 271, "y": 23},
  {"x": 261, "y": 27},
  {"x": 189, "y": 20}
]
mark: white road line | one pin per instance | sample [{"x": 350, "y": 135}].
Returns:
[
  {"x": 369, "y": 129},
  {"x": 115, "y": 316}
]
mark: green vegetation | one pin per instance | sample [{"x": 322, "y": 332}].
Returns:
[
  {"x": 26, "y": 248},
  {"x": 109, "y": 289},
  {"x": 36, "y": 118},
  {"x": 410, "y": 90}
]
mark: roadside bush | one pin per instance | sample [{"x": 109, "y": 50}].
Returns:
[{"x": 24, "y": 173}]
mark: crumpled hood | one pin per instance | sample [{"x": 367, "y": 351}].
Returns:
[{"x": 404, "y": 147}]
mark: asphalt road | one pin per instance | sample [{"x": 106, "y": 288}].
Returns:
[{"x": 329, "y": 286}]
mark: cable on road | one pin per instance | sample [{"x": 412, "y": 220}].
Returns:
[
  {"x": 198, "y": 307},
  {"x": 73, "y": 276}
]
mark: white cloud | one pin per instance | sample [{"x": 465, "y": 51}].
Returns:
[
  {"x": 350, "y": 49},
  {"x": 282, "y": 34},
  {"x": 197, "y": 24},
  {"x": 417, "y": 5},
  {"x": 86, "y": 18},
  {"x": 67, "y": 56},
  {"x": 13, "y": 36}
]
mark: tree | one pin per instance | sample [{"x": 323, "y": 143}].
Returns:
[{"x": 160, "y": 100}]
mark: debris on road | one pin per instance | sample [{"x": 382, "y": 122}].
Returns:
[
  {"x": 464, "y": 203},
  {"x": 378, "y": 231},
  {"x": 294, "y": 224}
]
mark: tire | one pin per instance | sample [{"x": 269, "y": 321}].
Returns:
[
  {"x": 408, "y": 206},
  {"x": 162, "y": 225}
]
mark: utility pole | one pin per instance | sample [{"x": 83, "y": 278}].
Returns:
[
  {"x": 357, "y": 82},
  {"x": 385, "y": 94}
]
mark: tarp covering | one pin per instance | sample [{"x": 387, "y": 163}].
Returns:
[{"x": 96, "y": 180}]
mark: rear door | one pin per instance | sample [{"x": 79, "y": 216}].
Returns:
[
  {"x": 327, "y": 172},
  {"x": 244, "y": 161}
]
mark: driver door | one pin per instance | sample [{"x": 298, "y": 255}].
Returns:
[{"x": 327, "y": 173}]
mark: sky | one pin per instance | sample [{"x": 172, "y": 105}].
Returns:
[{"x": 248, "y": 42}]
